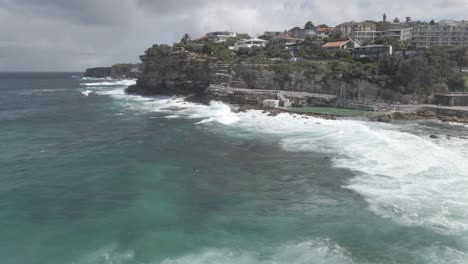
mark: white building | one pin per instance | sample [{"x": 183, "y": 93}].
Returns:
[
  {"x": 366, "y": 37},
  {"x": 220, "y": 36},
  {"x": 445, "y": 33},
  {"x": 249, "y": 43},
  {"x": 400, "y": 34}
]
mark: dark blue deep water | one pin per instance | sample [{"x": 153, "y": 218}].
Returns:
[{"x": 91, "y": 175}]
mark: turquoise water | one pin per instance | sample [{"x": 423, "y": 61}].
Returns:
[{"x": 90, "y": 175}]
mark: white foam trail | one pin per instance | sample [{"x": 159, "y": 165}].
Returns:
[
  {"x": 317, "y": 252},
  {"x": 95, "y": 79},
  {"x": 86, "y": 92},
  {"x": 107, "y": 255},
  {"x": 112, "y": 83}
]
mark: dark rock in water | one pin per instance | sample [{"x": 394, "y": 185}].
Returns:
[
  {"x": 434, "y": 136},
  {"x": 385, "y": 119}
]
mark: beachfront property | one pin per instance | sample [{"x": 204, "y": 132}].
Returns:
[
  {"x": 372, "y": 51},
  {"x": 220, "y": 36},
  {"x": 445, "y": 33},
  {"x": 249, "y": 43},
  {"x": 341, "y": 44}
]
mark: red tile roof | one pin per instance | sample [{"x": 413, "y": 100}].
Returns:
[
  {"x": 335, "y": 44},
  {"x": 325, "y": 29}
]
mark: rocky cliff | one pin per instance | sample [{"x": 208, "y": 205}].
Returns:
[
  {"x": 181, "y": 72},
  {"x": 173, "y": 73},
  {"x": 118, "y": 71}
]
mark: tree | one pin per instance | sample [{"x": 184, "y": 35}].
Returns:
[
  {"x": 396, "y": 20},
  {"x": 384, "y": 17},
  {"x": 389, "y": 64},
  {"x": 185, "y": 39},
  {"x": 461, "y": 57},
  {"x": 408, "y": 19},
  {"x": 294, "y": 29},
  {"x": 309, "y": 25},
  {"x": 323, "y": 26},
  {"x": 310, "y": 39},
  {"x": 432, "y": 22},
  {"x": 456, "y": 82},
  {"x": 385, "y": 40}
]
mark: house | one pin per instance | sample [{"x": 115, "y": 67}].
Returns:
[
  {"x": 272, "y": 34},
  {"x": 409, "y": 53},
  {"x": 303, "y": 33},
  {"x": 285, "y": 39},
  {"x": 340, "y": 44},
  {"x": 219, "y": 36},
  {"x": 324, "y": 32},
  {"x": 249, "y": 43},
  {"x": 372, "y": 51}
]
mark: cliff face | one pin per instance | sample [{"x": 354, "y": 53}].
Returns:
[
  {"x": 118, "y": 71},
  {"x": 182, "y": 72},
  {"x": 174, "y": 73}
]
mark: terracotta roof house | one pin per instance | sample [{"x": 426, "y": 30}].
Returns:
[
  {"x": 341, "y": 44},
  {"x": 324, "y": 32},
  {"x": 285, "y": 39}
]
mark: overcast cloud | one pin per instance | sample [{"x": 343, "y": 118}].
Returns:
[{"x": 71, "y": 35}]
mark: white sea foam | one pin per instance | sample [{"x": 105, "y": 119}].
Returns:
[
  {"x": 95, "y": 79},
  {"x": 404, "y": 177},
  {"x": 110, "y": 83},
  {"x": 107, "y": 255},
  {"x": 317, "y": 252}
]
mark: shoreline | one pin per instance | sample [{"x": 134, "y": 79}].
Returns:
[{"x": 385, "y": 117}]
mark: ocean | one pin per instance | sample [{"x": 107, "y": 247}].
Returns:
[{"x": 91, "y": 175}]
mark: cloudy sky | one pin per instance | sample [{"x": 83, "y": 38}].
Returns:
[{"x": 70, "y": 35}]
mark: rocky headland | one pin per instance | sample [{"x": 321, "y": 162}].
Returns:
[
  {"x": 117, "y": 71},
  {"x": 203, "y": 76}
]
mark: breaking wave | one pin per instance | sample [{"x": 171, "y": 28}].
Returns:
[
  {"x": 111, "y": 83},
  {"x": 405, "y": 177}
]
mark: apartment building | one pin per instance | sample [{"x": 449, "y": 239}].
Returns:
[
  {"x": 347, "y": 28},
  {"x": 444, "y": 33},
  {"x": 400, "y": 34}
]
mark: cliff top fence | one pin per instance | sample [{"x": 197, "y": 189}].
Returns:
[{"x": 366, "y": 104}]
